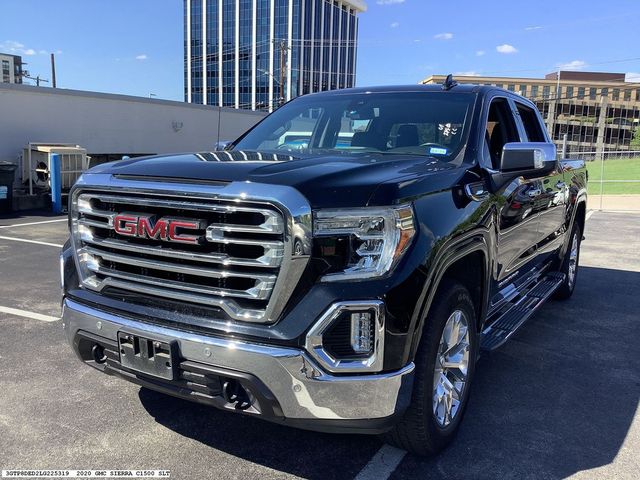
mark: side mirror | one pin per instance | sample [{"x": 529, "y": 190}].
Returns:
[{"x": 527, "y": 156}]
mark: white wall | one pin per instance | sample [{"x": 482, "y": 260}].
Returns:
[{"x": 112, "y": 124}]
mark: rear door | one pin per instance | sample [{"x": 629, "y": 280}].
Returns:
[{"x": 551, "y": 202}]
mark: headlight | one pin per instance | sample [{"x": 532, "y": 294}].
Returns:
[{"x": 370, "y": 240}]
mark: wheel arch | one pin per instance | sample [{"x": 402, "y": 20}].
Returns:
[{"x": 468, "y": 262}]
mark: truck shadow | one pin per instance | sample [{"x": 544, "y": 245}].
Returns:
[
  {"x": 305, "y": 454},
  {"x": 557, "y": 399}
]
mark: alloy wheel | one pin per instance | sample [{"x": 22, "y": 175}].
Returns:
[
  {"x": 451, "y": 368},
  {"x": 573, "y": 260}
]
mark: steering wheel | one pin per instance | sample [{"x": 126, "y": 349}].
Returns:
[
  {"x": 291, "y": 147},
  {"x": 435, "y": 145}
]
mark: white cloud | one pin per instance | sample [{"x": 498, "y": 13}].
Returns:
[
  {"x": 142, "y": 56},
  {"x": 395, "y": 25},
  {"x": 632, "y": 77},
  {"x": 572, "y": 65},
  {"x": 443, "y": 36},
  {"x": 506, "y": 48},
  {"x": 471, "y": 73},
  {"x": 480, "y": 53},
  {"x": 17, "y": 48},
  {"x": 389, "y": 2},
  {"x": 533, "y": 27}
]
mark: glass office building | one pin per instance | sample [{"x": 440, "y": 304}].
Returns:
[{"x": 257, "y": 54}]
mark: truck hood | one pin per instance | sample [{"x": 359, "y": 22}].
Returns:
[{"x": 326, "y": 181}]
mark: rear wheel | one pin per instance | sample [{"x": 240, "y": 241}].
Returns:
[
  {"x": 570, "y": 265},
  {"x": 445, "y": 366}
]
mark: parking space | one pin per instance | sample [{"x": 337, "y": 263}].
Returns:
[{"x": 560, "y": 399}]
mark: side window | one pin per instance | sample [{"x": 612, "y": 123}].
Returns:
[
  {"x": 531, "y": 123},
  {"x": 501, "y": 129}
]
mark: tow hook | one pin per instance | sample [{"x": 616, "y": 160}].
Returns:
[
  {"x": 235, "y": 393},
  {"x": 97, "y": 352}
]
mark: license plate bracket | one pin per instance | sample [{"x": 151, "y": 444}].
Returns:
[{"x": 148, "y": 356}]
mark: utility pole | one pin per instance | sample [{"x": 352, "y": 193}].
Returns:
[
  {"x": 36, "y": 78},
  {"x": 282, "y": 45},
  {"x": 53, "y": 70}
]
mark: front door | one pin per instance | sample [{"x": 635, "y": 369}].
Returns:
[{"x": 518, "y": 219}]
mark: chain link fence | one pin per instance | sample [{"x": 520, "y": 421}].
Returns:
[{"x": 602, "y": 128}]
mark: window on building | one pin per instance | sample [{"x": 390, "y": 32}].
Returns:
[
  {"x": 569, "y": 93},
  {"x": 581, "y": 92},
  {"x": 604, "y": 92},
  {"x": 616, "y": 94},
  {"x": 627, "y": 95},
  {"x": 638, "y": 94},
  {"x": 522, "y": 90},
  {"x": 534, "y": 91},
  {"x": 531, "y": 123},
  {"x": 546, "y": 91},
  {"x": 592, "y": 93},
  {"x": 6, "y": 71},
  {"x": 511, "y": 87}
]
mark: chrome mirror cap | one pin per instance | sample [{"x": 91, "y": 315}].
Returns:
[{"x": 527, "y": 155}]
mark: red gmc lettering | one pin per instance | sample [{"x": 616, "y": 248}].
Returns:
[
  {"x": 126, "y": 225},
  {"x": 146, "y": 229},
  {"x": 163, "y": 229},
  {"x": 176, "y": 237}
]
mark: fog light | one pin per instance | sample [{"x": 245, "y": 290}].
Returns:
[
  {"x": 349, "y": 337},
  {"x": 362, "y": 332}
]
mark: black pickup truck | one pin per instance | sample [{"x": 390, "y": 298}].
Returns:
[{"x": 339, "y": 267}]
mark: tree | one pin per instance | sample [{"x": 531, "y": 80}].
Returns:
[{"x": 635, "y": 141}]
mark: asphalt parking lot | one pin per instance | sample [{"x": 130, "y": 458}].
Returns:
[{"x": 559, "y": 400}]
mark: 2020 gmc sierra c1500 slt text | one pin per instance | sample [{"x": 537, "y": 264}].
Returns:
[{"x": 339, "y": 267}]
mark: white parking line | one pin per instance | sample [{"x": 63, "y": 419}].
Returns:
[
  {"x": 32, "y": 315},
  {"x": 31, "y": 241},
  {"x": 589, "y": 213},
  {"x": 382, "y": 465},
  {"x": 34, "y": 223}
]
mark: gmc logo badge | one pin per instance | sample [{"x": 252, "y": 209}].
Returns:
[{"x": 165, "y": 228}]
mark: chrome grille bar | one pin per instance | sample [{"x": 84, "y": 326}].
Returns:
[
  {"x": 172, "y": 267},
  {"x": 273, "y": 222},
  {"x": 272, "y": 257},
  {"x": 255, "y": 293}
]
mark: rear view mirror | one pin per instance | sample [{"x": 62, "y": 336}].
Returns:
[
  {"x": 527, "y": 156},
  {"x": 220, "y": 146}
]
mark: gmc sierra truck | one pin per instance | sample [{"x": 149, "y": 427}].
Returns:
[{"x": 339, "y": 267}]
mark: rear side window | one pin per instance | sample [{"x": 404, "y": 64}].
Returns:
[{"x": 531, "y": 123}]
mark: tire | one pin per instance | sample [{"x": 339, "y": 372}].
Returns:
[
  {"x": 571, "y": 259},
  {"x": 419, "y": 431}
]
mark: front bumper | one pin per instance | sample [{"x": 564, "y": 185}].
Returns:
[{"x": 286, "y": 384}]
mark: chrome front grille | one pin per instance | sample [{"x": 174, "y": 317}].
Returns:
[{"x": 235, "y": 266}]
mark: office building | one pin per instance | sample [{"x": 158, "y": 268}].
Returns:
[
  {"x": 11, "y": 68},
  {"x": 257, "y": 54},
  {"x": 598, "y": 111}
]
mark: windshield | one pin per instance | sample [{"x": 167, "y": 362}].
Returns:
[{"x": 416, "y": 123}]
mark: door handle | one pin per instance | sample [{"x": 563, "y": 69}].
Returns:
[
  {"x": 560, "y": 185},
  {"x": 534, "y": 193}
]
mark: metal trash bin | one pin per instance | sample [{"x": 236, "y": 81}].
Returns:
[{"x": 7, "y": 173}]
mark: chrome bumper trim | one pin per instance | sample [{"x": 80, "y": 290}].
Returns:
[{"x": 302, "y": 389}]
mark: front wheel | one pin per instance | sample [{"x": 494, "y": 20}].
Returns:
[
  {"x": 570, "y": 265},
  {"x": 445, "y": 366}
]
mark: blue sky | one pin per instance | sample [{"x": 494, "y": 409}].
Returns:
[{"x": 136, "y": 46}]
